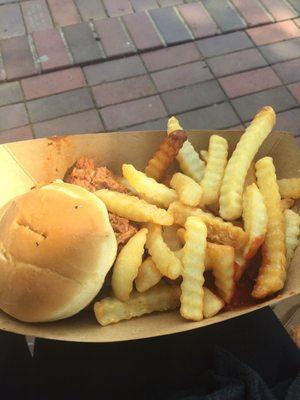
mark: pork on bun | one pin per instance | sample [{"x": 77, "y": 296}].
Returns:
[{"x": 56, "y": 247}]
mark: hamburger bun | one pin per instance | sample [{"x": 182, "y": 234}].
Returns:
[{"x": 56, "y": 247}]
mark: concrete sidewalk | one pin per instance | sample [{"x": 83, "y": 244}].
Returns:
[{"x": 90, "y": 65}]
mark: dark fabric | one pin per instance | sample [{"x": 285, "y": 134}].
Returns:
[{"x": 243, "y": 358}]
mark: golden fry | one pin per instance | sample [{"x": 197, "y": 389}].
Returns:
[
  {"x": 162, "y": 297},
  {"x": 133, "y": 208},
  {"x": 218, "y": 230},
  {"x": 148, "y": 276},
  {"x": 127, "y": 265},
  {"x": 164, "y": 156},
  {"x": 286, "y": 204},
  {"x": 204, "y": 155},
  {"x": 272, "y": 272},
  {"x": 212, "y": 304},
  {"x": 289, "y": 188},
  {"x": 240, "y": 161},
  {"x": 292, "y": 233},
  {"x": 188, "y": 191},
  {"x": 193, "y": 268},
  {"x": 180, "y": 234},
  {"x": 240, "y": 265},
  {"x": 154, "y": 192},
  {"x": 250, "y": 177},
  {"x": 214, "y": 170},
  {"x": 165, "y": 260},
  {"x": 187, "y": 157},
  {"x": 171, "y": 238},
  {"x": 220, "y": 259},
  {"x": 255, "y": 219},
  {"x": 124, "y": 182}
]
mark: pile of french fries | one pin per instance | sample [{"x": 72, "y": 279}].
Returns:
[{"x": 213, "y": 215}]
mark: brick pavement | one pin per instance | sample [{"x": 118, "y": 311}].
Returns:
[{"x": 101, "y": 65}]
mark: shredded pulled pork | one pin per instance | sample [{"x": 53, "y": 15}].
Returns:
[{"x": 92, "y": 178}]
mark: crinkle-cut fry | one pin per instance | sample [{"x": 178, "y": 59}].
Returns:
[
  {"x": 287, "y": 204},
  {"x": 161, "y": 297},
  {"x": 164, "y": 156},
  {"x": 165, "y": 260},
  {"x": 125, "y": 183},
  {"x": 240, "y": 265},
  {"x": 188, "y": 191},
  {"x": 127, "y": 265},
  {"x": 255, "y": 219},
  {"x": 204, "y": 155},
  {"x": 289, "y": 188},
  {"x": 272, "y": 272},
  {"x": 133, "y": 208},
  {"x": 292, "y": 233},
  {"x": 214, "y": 170},
  {"x": 189, "y": 161},
  {"x": 250, "y": 177},
  {"x": 212, "y": 303},
  {"x": 240, "y": 161},
  {"x": 171, "y": 238},
  {"x": 148, "y": 275},
  {"x": 191, "y": 298},
  {"x": 218, "y": 230},
  {"x": 220, "y": 259},
  {"x": 154, "y": 192}
]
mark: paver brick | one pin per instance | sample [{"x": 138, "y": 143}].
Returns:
[
  {"x": 17, "y": 57},
  {"x": 83, "y": 122},
  {"x": 198, "y": 20},
  {"x": 141, "y": 5},
  {"x": 236, "y": 62},
  {"x": 10, "y": 93},
  {"x": 191, "y": 97},
  {"x": 295, "y": 89},
  {"x": 274, "y": 32},
  {"x": 91, "y": 9},
  {"x": 217, "y": 116},
  {"x": 16, "y": 134},
  {"x": 295, "y": 4},
  {"x": 281, "y": 51},
  {"x": 133, "y": 112},
  {"x": 36, "y": 15},
  {"x": 114, "y": 39},
  {"x": 182, "y": 75},
  {"x": 50, "y": 49},
  {"x": 279, "y": 9},
  {"x": 279, "y": 98},
  {"x": 170, "y": 26},
  {"x": 171, "y": 57},
  {"x": 289, "y": 121},
  {"x": 167, "y": 3},
  {"x": 158, "y": 125},
  {"x": 249, "y": 82},
  {"x": 124, "y": 90},
  {"x": 64, "y": 12},
  {"x": 224, "y": 14},
  {"x": 288, "y": 71},
  {"x": 11, "y": 21},
  {"x": 115, "y": 8},
  {"x": 13, "y": 116},
  {"x": 224, "y": 44},
  {"x": 59, "y": 105},
  {"x": 81, "y": 42},
  {"x": 113, "y": 70},
  {"x": 52, "y": 83},
  {"x": 252, "y": 12},
  {"x": 142, "y": 31}
]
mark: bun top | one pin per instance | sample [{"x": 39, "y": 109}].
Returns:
[{"x": 56, "y": 247}]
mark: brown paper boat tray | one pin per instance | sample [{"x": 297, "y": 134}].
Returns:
[{"x": 23, "y": 164}]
